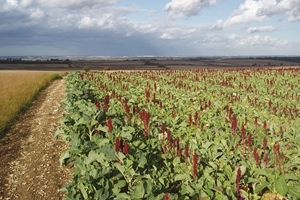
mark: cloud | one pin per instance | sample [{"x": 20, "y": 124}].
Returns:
[
  {"x": 256, "y": 41},
  {"x": 260, "y": 10},
  {"x": 252, "y": 30},
  {"x": 187, "y": 8},
  {"x": 72, "y": 4},
  {"x": 86, "y": 22},
  {"x": 166, "y": 36},
  {"x": 37, "y": 13}
]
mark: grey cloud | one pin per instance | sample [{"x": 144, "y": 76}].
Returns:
[
  {"x": 252, "y": 30},
  {"x": 71, "y": 4},
  {"x": 187, "y": 8}
]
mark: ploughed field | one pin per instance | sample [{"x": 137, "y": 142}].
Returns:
[
  {"x": 149, "y": 63},
  {"x": 186, "y": 134}
]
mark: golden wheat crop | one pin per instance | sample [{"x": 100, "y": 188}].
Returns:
[{"x": 17, "y": 90}]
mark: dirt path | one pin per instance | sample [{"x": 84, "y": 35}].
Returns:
[{"x": 29, "y": 155}]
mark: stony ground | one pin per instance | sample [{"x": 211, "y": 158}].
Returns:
[{"x": 29, "y": 154}]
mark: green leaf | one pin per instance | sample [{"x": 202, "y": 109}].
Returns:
[
  {"x": 281, "y": 186},
  {"x": 108, "y": 152},
  {"x": 262, "y": 172},
  {"x": 122, "y": 196},
  {"x": 176, "y": 161},
  {"x": 138, "y": 191},
  {"x": 228, "y": 171},
  {"x": 91, "y": 157},
  {"x": 261, "y": 186},
  {"x": 142, "y": 161},
  {"x": 120, "y": 184},
  {"x": 294, "y": 192},
  {"x": 120, "y": 168},
  {"x": 65, "y": 155},
  {"x": 179, "y": 177},
  {"x": 290, "y": 177},
  {"x": 83, "y": 190},
  {"x": 207, "y": 145}
]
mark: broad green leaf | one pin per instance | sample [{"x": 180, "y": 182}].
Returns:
[
  {"x": 259, "y": 187},
  {"x": 142, "y": 161},
  {"x": 290, "y": 177},
  {"x": 207, "y": 145},
  {"x": 65, "y": 155},
  {"x": 228, "y": 171},
  {"x": 108, "y": 152},
  {"x": 179, "y": 177},
  {"x": 120, "y": 167},
  {"x": 83, "y": 190},
  {"x": 262, "y": 172},
  {"x": 294, "y": 191},
  {"x": 93, "y": 155},
  {"x": 120, "y": 184},
  {"x": 280, "y": 185},
  {"x": 138, "y": 191}
]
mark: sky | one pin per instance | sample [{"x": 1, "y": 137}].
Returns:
[{"x": 149, "y": 27}]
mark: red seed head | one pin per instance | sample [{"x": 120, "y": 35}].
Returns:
[
  {"x": 166, "y": 196},
  {"x": 163, "y": 128},
  {"x": 186, "y": 151},
  {"x": 169, "y": 136},
  {"x": 234, "y": 124},
  {"x": 126, "y": 148},
  {"x": 238, "y": 183},
  {"x": 106, "y": 102},
  {"x": 195, "y": 165},
  {"x": 97, "y": 104},
  {"x": 249, "y": 140},
  {"x": 109, "y": 125},
  {"x": 265, "y": 126},
  {"x": 265, "y": 143},
  {"x": 117, "y": 144},
  {"x": 256, "y": 156}
]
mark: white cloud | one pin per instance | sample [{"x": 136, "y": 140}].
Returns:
[
  {"x": 263, "y": 9},
  {"x": 25, "y": 3},
  {"x": 166, "y": 36},
  {"x": 260, "y": 29},
  {"x": 86, "y": 22},
  {"x": 73, "y": 4},
  {"x": 295, "y": 14},
  {"x": 187, "y": 8},
  {"x": 106, "y": 21},
  {"x": 37, "y": 13},
  {"x": 145, "y": 27}
]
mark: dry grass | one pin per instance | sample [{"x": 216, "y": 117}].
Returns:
[{"x": 17, "y": 90}]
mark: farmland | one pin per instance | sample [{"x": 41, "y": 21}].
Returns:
[
  {"x": 17, "y": 89},
  {"x": 187, "y": 134},
  {"x": 29, "y": 155}
]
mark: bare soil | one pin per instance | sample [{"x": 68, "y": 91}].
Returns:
[{"x": 29, "y": 153}]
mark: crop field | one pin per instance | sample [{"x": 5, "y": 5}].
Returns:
[
  {"x": 188, "y": 134},
  {"x": 17, "y": 89}
]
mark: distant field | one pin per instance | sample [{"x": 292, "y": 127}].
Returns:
[
  {"x": 17, "y": 89},
  {"x": 31, "y": 66},
  {"x": 152, "y": 64}
]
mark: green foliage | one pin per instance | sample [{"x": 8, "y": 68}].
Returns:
[
  {"x": 106, "y": 68},
  {"x": 207, "y": 134},
  {"x": 86, "y": 68}
]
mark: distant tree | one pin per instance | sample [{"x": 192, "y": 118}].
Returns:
[
  {"x": 161, "y": 65},
  {"x": 86, "y": 68},
  {"x": 107, "y": 68}
]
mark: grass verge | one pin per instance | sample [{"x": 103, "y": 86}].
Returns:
[{"x": 17, "y": 91}]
